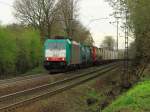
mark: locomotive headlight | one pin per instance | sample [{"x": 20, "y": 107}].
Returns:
[{"x": 63, "y": 59}]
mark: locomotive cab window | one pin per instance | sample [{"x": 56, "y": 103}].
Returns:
[{"x": 58, "y": 46}]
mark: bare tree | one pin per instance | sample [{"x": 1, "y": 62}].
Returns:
[
  {"x": 38, "y": 13},
  {"x": 108, "y": 43},
  {"x": 68, "y": 15},
  {"x": 82, "y": 34}
]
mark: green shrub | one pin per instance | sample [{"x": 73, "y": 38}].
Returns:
[
  {"x": 29, "y": 50},
  {"x": 7, "y": 52},
  {"x": 20, "y": 50}
]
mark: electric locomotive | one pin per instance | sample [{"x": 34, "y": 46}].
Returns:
[{"x": 63, "y": 54}]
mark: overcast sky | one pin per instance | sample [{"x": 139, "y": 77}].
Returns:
[{"x": 89, "y": 10}]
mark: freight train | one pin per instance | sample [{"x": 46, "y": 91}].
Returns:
[{"x": 65, "y": 54}]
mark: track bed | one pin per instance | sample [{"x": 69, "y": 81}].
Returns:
[
  {"x": 13, "y": 85},
  {"x": 34, "y": 94}
]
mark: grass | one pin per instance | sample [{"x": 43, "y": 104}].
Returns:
[
  {"x": 96, "y": 96},
  {"x": 136, "y": 100}
]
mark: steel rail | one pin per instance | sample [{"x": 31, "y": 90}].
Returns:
[
  {"x": 18, "y": 104},
  {"x": 5, "y": 97},
  {"x": 19, "y": 79},
  {"x": 27, "y": 78}
]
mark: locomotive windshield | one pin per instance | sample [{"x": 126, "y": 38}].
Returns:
[
  {"x": 56, "y": 49},
  {"x": 56, "y": 46}
]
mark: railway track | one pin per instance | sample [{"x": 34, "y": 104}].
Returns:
[
  {"x": 30, "y": 77},
  {"x": 17, "y": 84},
  {"x": 23, "y": 98},
  {"x": 20, "y": 79}
]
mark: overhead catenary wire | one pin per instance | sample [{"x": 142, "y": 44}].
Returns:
[{"x": 93, "y": 20}]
